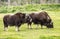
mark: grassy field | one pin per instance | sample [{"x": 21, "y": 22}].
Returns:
[{"x": 34, "y": 33}]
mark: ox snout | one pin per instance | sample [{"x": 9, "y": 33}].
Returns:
[{"x": 50, "y": 25}]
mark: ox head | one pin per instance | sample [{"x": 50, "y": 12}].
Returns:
[
  {"x": 50, "y": 25},
  {"x": 49, "y": 22},
  {"x": 28, "y": 18}
]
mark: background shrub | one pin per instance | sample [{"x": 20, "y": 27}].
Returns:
[{"x": 30, "y": 7}]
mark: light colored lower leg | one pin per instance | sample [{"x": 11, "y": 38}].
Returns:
[
  {"x": 37, "y": 26},
  {"x": 17, "y": 29},
  {"x": 5, "y": 29},
  {"x": 41, "y": 27},
  {"x": 29, "y": 27}
]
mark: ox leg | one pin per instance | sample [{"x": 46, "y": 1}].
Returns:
[
  {"x": 17, "y": 25},
  {"x": 5, "y": 25},
  {"x": 29, "y": 26},
  {"x": 5, "y": 28},
  {"x": 17, "y": 28},
  {"x": 41, "y": 27},
  {"x": 37, "y": 26}
]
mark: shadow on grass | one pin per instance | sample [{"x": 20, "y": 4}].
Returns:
[{"x": 28, "y": 29}]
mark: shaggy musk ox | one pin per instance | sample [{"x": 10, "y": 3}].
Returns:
[
  {"x": 14, "y": 20},
  {"x": 41, "y": 18}
]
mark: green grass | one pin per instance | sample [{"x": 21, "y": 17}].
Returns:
[{"x": 39, "y": 33}]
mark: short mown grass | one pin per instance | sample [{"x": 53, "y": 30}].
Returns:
[{"x": 34, "y": 33}]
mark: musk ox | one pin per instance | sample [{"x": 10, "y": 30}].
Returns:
[
  {"x": 14, "y": 20},
  {"x": 41, "y": 18}
]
